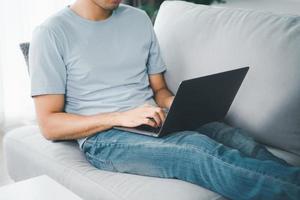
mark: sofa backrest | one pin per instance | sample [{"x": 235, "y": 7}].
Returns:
[{"x": 198, "y": 40}]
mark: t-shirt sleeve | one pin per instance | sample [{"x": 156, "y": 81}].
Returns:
[
  {"x": 46, "y": 65},
  {"x": 155, "y": 63}
]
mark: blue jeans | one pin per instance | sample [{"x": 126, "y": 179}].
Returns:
[{"x": 215, "y": 156}]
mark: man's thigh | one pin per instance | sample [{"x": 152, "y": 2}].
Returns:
[
  {"x": 114, "y": 137},
  {"x": 122, "y": 151}
]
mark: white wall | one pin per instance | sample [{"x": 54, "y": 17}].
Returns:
[{"x": 18, "y": 18}]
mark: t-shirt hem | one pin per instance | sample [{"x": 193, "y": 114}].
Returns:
[
  {"x": 45, "y": 92},
  {"x": 160, "y": 70}
]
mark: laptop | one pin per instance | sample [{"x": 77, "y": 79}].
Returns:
[{"x": 198, "y": 101}]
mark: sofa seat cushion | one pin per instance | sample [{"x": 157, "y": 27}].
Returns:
[{"x": 28, "y": 155}]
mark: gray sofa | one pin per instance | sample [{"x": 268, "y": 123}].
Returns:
[{"x": 195, "y": 40}]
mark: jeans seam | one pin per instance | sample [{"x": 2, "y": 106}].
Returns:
[{"x": 203, "y": 151}]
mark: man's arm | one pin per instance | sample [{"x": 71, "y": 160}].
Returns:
[
  {"x": 58, "y": 125},
  {"x": 55, "y": 124},
  {"x": 163, "y": 96}
]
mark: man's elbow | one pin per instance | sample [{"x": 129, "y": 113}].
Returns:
[
  {"x": 48, "y": 134},
  {"x": 47, "y": 130}
]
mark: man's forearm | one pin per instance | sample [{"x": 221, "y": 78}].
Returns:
[
  {"x": 164, "y": 98},
  {"x": 62, "y": 126}
]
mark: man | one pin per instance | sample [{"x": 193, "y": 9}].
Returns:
[{"x": 96, "y": 65}]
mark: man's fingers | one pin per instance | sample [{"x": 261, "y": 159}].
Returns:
[
  {"x": 153, "y": 113},
  {"x": 161, "y": 114},
  {"x": 157, "y": 119},
  {"x": 153, "y": 117},
  {"x": 149, "y": 122},
  {"x": 156, "y": 113}
]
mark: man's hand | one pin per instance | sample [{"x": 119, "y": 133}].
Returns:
[{"x": 145, "y": 114}]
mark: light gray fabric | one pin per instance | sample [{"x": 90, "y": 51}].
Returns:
[
  {"x": 28, "y": 154},
  {"x": 277, "y": 6},
  {"x": 197, "y": 40}
]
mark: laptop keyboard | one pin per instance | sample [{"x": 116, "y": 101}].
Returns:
[{"x": 148, "y": 128}]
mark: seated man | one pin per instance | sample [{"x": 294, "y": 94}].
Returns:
[{"x": 97, "y": 64}]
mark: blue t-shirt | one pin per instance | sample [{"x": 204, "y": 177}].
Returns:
[{"x": 100, "y": 66}]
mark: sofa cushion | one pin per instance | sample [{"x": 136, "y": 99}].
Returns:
[
  {"x": 278, "y": 6},
  {"x": 197, "y": 40},
  {"x": 28, "y": 155}
]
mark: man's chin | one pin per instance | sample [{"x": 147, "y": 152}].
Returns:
[{"x": 113, "y": 7}]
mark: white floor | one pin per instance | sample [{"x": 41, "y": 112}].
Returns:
[{"x": 4, "y": 178}]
